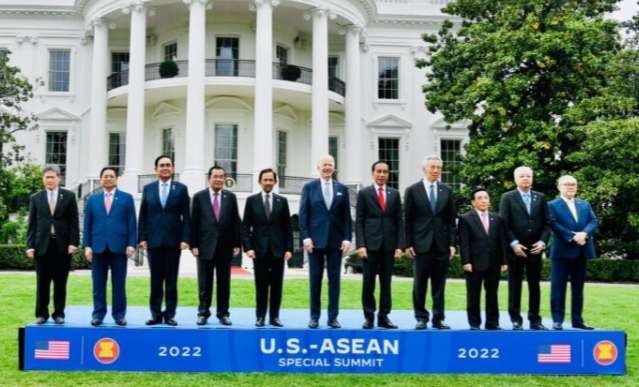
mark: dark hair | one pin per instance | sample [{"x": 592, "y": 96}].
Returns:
[
  {"x": 160, "y": 157},
  {"x": 266, "y": 170},
  {"x": 379, "y": 162},
  {"x": 215, "y": 167},
  {"x": 51, "y": 168},
  {"x": 108, "y": 168},
  {"x": 475, "y": 190}
]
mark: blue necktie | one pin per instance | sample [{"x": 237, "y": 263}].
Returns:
[
  {"x": 433, "y": 198},
  {"x": 164, "y": 193},
  {"x": 527, "y": 201}
]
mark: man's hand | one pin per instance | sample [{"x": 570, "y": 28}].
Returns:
[
  {"x": 143, "y": 245},
  {"x": 580, "y": 238},
  {"x": 520, "y": 250},
  {"x": 411, "y": 252},
  {"x": 71, "y": 249},
  {"x": 130, "y": 250},
  {"x": 30, "y": 253},
  {"x": 346, "y": 247},
  {"x": 451, "y": 252},
  {"x": 236, "y": 251},
  {"x": 361, "y": 252},
  {"x": 468, "y": 268},
  {"x": 308, "y": 245},
  {"x": 251, "y": 254},
  {"x": 88, "y": 254},
  {"x": 537, "y": 248},
  {"x": 195, "y": 252},
  {"x": 398, "y": 254},
  {"x": 504, "y": 268},
  {"x": 288, "y": 255},
  {"x": 184, "y": 246}
]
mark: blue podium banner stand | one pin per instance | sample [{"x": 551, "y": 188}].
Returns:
[{"x": 217, "y": 349}]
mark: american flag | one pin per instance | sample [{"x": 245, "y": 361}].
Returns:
[
  {"x": 555, "y": 353},
  {"x": 52, "y": 349}
]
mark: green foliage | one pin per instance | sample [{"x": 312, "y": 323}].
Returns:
[
  {"x": 13, "y": 257},
  {"x": 168, "y": 69},
  {"x": 16, "y": 185}
]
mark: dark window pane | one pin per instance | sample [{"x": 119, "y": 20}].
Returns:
[{"x": 389, "y": 152}]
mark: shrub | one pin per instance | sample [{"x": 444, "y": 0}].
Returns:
[
  {"x": 291, "y": 72},
  {"x": 169, "y": 69},
  {"x": 13, "y": 257}
]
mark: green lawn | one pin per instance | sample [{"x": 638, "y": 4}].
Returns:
[{"x": 609, "y": 306}]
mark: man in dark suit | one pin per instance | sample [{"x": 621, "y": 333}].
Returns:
[
  {"x": 215, "y": 239},
  {"x": 268, "y": 240},
  {"x": 482, "y": 244},
  {"x": 52, "y": 236},
  {"x": 524, "y": 212},
  {"x": 325, "y": 230},
  {"x": 109, "y": 237},
  {"x": 430, "y": 214},
  {"x": 379, "y": 231},
  {"x": 573, "y": 226},
  {"x": 164, "y": 228}
]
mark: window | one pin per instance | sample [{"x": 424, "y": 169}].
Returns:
[
  {"x": 333, "y": 67},
  {"x": 56, "y": 152},
  {"x": 333, "y": 151},
  {"x": 117, "y": 146},
  {"x": 59, "y": 67},
  {"x": 281, "y": 155},
  {"x": 119, "y": 62},
  {"x": 388, "y": 78},
  {"x": 227, "y": 52},
  {"x": 450, "y": 154},
  {"x": 170, "y": 51},
  {"x": 389, "y": 152},
  {"x": 226, "y": 147},
  {"x": 168, "y": 143},
  {"x": 282, "y": 54}
]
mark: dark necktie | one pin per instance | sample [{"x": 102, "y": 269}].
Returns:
[{"x": 267, "y": 206}]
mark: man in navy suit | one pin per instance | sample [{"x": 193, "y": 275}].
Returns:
[
  {"x": 325, "y": 230},
  {"x": 164, "y": 228},
  {"x": 573, "y": 225},
  {"x": 109, "y": 237}
]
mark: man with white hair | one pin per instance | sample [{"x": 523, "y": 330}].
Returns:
[
  {"x": 524, "y": 213},
  {"x": 573, "y": 225}
]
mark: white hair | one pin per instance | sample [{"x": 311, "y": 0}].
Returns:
[
  {"x": 565, "y": 179},
  {"x": 427, "y": 159},
  {"x": 521, "y": 169}
]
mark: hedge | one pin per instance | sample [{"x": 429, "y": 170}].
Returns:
[
  {"x": 13, "y": 257},
  {"x": 598, "y": 270}
]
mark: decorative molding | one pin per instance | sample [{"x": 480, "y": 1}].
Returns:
[
  {"x": 253, "y": 5},
  {"x": 239, "y": 103},
  {"x": 286, "y": 111},
  {"x": 440, "y": 125},
  {"x": 390, "y": 121},
  {"x": 56, "y": 114},
  {"x": 164, "y": 109},
  {"x": 20, "y": 39},
  {"x": 208, "y": 4}
]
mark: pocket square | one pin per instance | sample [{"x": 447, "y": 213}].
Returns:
[{"x": 338, "y": 194}]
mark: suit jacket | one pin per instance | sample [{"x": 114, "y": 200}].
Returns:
[
  {"x": 483, "y": 251},
  {"x": 267, "y": 235},
  {"x": 526, "y": 228},
  {"x": 169, "y": 225},
  {"x": 375, "y": 228},
  {"x": 327, "y": 227},
  {"x": 64, "y": 221},
  {"x": 207, "y": 234},
  {"x": 563, "y": 225},
  {"x": 425, "y": 228},
  {"x": 116, "y": 230}
]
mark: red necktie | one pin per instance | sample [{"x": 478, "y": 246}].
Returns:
[{"x": 380, "y": 198}]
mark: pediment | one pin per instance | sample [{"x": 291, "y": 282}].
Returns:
[
  {"x": 165, "y": 109},
  {"x": 227, "y": 103},
  {"x": 390, "y": 121},
  {"x": 57, "y": 114},
  {"x": 442, "y": 124},
  {"x": 286, "y": 111}
]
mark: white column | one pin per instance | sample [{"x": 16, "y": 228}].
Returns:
[
  {"x": 135, "y": 101},
  {"x": 319, "y": 115},
  {"x": 263, "y": 111},
  {"x": 193, "y": 175},
  {"x": 352, "y": 168},
  {"x": 98, "y": 145}
]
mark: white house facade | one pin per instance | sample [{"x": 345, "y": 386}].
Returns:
[{"x": 246, "y": 84}]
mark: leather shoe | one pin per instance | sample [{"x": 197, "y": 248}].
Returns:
[
  {"x": 225, "y": 320},
  {"x": 493, "y": 328},
  {"x": 517, "y": 326},
  {"x": 41, "y": 320},
  {"x": 421, "y": 324},
  {"x": 96, "y": 322},
  {"x": 59, "y": 320},
  {"x": 538, "y": 327},
  {"x": 334, "y": 324},
  {"x": 440, "y": 325},
  {"x": 557, "y": 326},
  {"x": 275, "y": 321},
  {"x": 386, "y": 323},
  {"x": 313, "y": 324},
  {"x": 474, "y": 328},
  {"x": 201, "y": 320},
  {"x": 259, "y": 322},
  {"x": 583, "y": 326},
  {"x": 154, "y": 321},
  {"x": 121, "y": 321},
  {"x": 368, "y": 324},
  {"x": 171, "y": 321}
]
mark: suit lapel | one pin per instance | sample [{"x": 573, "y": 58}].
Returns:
[
  {"x": 475, "y": 217},
  {"x": 520, "y": 201},
  {"x": 442, "y": 197},
  {"x": 209, "y": 204},
  {"x": 421, "y": 190},
  {"x": 58, "y": 202},
  {"x": 566, "y": 211}
]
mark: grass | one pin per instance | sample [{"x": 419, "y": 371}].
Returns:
[{"x": 609, "y": 306}]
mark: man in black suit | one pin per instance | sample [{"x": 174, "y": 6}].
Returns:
[
  {"x": 164, "y": 227},
  {"x": 215, "y": 239},
  {"x": 524, "y": 213},
  {"x": 379, "y": 231},
  {"x": 53, "y": 235},
  {"x": 268, "y": 240},
  {"x": 430, "y": 214},
  {"x": 482, "y": 243}
]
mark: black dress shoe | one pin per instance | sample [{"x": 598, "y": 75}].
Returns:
[
  {"x": 275, "y": 321},
  {"x": 386, "y": 323},
  {"x": 171, "y": 321},
  {"x": 538, "y": 327},
  {"x": 154, "y": 321},
  {"x": 259, "y": 322},
  {"x": 334, "y": 324},
  {"x": 474, "y": 328},
  {"x": 493, "y": 328},
  {"x": 583, "y": 326},
  {"x": 121, "y": 322},
  {"x": 440, "y": 325},
  {"x": 368, "y": 324},
  {"x": 41, "y": 320},
  {"x": 201, "y": 320},
  {"x": 225, "y": 320},
  {"x": 421, "y": 325},
  {"x": 517, "y": 326},
  {"x": 557, "y": 326},
  {"x": 313, "y": 324},
  {"x": 96, "y": 322}
]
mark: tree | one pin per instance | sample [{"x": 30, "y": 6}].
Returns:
[{"x": 514, "y": 69}]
